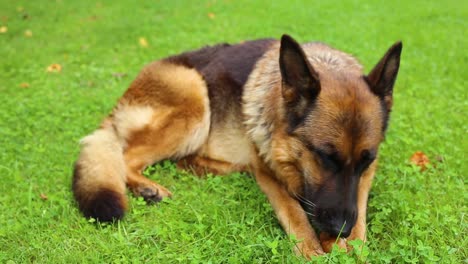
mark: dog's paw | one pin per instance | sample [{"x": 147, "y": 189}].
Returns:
[
  {"x": 307, "y": 250},
  {"x": 357, "y": 234},
  {"x": 153, "y": 193}
]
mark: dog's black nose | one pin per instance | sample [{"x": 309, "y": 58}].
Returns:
[
  {"x": 340, "y": 228},
  {"x": 337, "y": 222}
]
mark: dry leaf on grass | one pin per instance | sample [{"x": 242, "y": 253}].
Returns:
[
  {"x": 3, "y": 29},
  {"x": 119, "y": 75},
  {"x": 420, "y": 159},
  {"x": 43, "y": 197},
  {"x": 211, "y": 15},
  {"x": 24, "y": 85},
  {"x": 54, "y": 67},
  {"x": 143, "y": 42},
  {"x": 28, "y": 33}
]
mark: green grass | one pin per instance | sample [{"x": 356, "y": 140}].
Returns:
[{"x": 413, "y": 217}]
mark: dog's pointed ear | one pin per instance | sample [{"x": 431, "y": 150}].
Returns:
[
  {"x": 382, "y": 77},
  {"x": 300, "y": 82},
  {"x": 299, "y": 78}
]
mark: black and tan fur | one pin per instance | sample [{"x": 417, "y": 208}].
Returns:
[{"x": 304, "y": 120}]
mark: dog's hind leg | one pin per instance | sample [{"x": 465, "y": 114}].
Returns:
[
  {"x": 169, "y": 138},
  {"x": 163, "y": 115},
  {"x": 137, "y": 157}
]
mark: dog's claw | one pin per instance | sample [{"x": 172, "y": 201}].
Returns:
[{"x": 152, "y": 194}]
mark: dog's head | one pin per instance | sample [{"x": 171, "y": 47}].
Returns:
[{"x": 337, "y": 118}]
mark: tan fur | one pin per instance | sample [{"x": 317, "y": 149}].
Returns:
[
  {"x": 127, "y": 119},
  {"x": 100, "y": 153},
  {"x": 229, "y": 143}
]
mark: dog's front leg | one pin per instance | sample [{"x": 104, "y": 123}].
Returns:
[
  {"x": 290, "y": 213},
  {"x": 359, "y": 229}
]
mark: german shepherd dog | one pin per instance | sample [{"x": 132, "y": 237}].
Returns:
[{"x": 303, "y": 119}]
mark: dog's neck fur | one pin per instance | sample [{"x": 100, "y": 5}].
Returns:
[{"x": 262, "y": 97}]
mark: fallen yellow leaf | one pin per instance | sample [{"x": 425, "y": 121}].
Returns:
[
  {"x": 28, "y": 33},
  {"x": 24, "y": 85},
  {"x": 211, "y": 15},
  {"x": 43, "y": 196},
  {"x": 54, "y": 67},
  {"x": 3, "y": 29},
  {"x": 143, "y": 42}
]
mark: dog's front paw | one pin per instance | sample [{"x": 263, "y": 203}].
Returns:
[
  {"x": 308, "y": 250},
  {"x": 358, "y": 233}
]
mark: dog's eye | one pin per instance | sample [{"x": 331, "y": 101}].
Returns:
[
  {"x": 330, "y": 160},
  {"x": 367, "y": 157},
  {"x": 327, "y": 156}
]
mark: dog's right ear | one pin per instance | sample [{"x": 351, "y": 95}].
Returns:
[
  {"x": 300, "y": 82},
  {"x": 299, "y": 78}
]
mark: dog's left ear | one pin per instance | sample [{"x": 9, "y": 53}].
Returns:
[{"x": 382, "y": 78}]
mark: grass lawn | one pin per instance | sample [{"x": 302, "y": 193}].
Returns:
[{"x": 415, "y": 217}]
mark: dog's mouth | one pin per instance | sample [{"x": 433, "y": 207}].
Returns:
[
  {"x": 311, "y": 213},
  {"x": 327, "y": 239},
  {"x": 334, "y": 222},
  {"x": 337, "y": 223},
  {"x": 330, "y": 209}
]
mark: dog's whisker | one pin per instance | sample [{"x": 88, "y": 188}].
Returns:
[
  {"x": 306, "y": 201},
  {"x": 311, "y": 214},
  {"x": 307, "y": 213}
]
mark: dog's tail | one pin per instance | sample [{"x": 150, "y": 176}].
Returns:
[{"x": 99, "y": 176}]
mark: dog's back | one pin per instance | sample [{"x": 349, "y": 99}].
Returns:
[{"x": 225, "y": 69}]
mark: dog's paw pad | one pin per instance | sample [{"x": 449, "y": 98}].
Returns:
[{"x": 152, "y": 194}]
